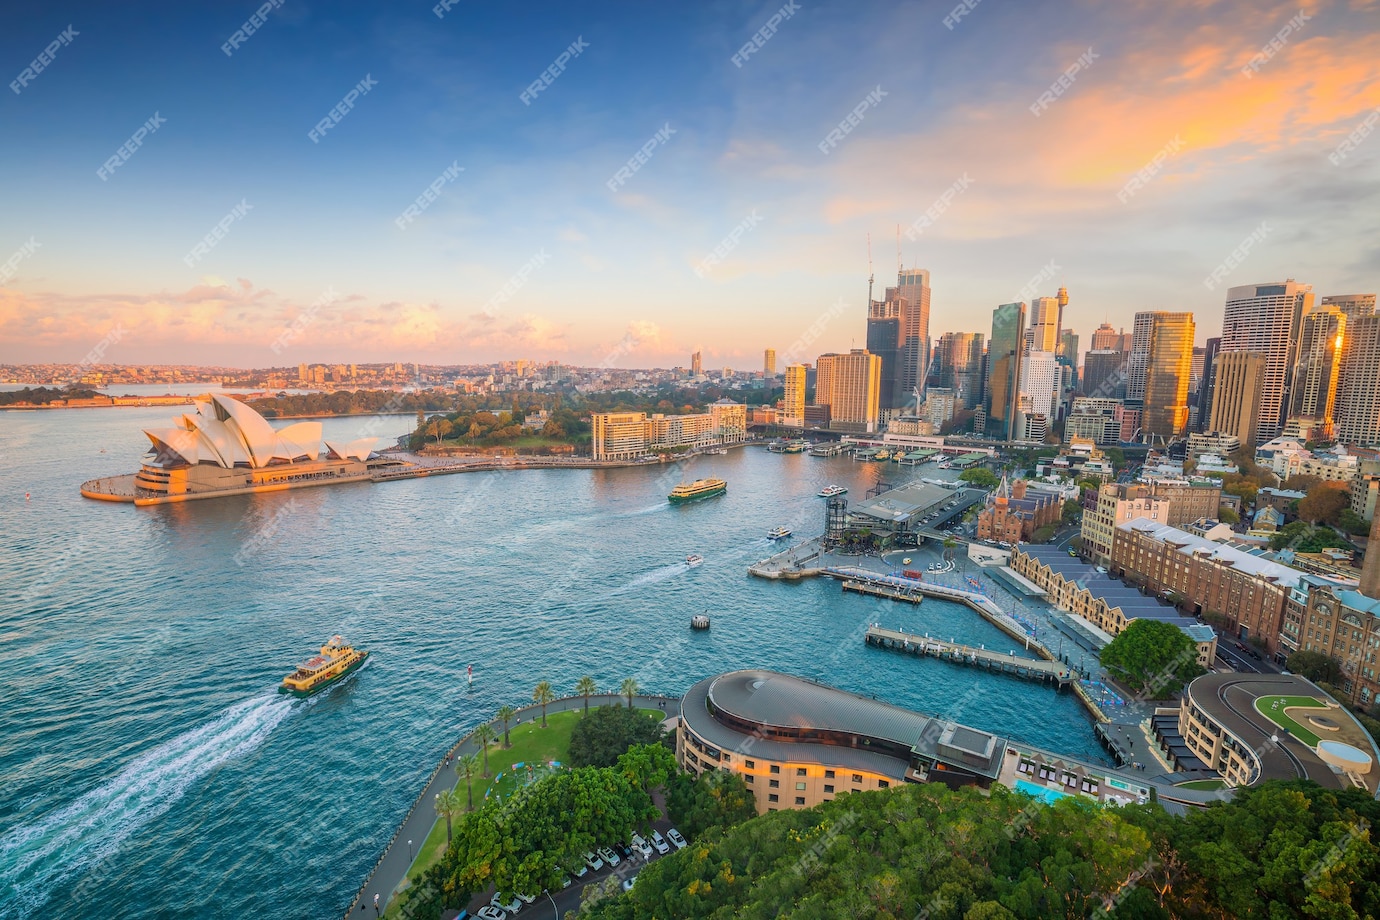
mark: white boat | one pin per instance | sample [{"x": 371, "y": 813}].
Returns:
[
  {"x": 693, "y": 559},
  {"x": 779, "y": 533},
  {"x": 831, "y": 491}
]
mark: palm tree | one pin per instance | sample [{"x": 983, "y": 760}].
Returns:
[
  {"x": 505, "y": 715},
  {"x": 448, "y": 807},
  {"x": 629, "y": 689},
  {"x": 543, "y": 695},
  {"x": 586, "y": 687},
  {"x": 484, "y": 735},
  {"x": 466, "y": 765}
]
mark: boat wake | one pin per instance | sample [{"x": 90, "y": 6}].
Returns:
[
  {"x": 650, "y": 578},
  {"x": 36, "y": 857}
]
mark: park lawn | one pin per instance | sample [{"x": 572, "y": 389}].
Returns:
[
  {"x": 1278, "y": 717},
  {"x": 532, "y": 743},
  {"x": 1204, "y": 785}
]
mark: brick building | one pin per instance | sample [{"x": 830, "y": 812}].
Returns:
[{"x": 1012, "y": 514}]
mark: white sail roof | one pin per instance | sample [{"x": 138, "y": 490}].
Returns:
[{"x": 228, "y": 433}]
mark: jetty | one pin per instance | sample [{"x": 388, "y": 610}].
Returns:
[
  {"x": 1052, "y": 672},
  {"x": 910, "y": 595}
]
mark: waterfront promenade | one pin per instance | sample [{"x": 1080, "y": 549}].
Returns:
[{"x": 390, "y": 872}]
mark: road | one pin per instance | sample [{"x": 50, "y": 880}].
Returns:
[{"x": 391, "y": 870}]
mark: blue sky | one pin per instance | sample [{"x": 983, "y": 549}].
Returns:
[{"x": 619, "y": 266}]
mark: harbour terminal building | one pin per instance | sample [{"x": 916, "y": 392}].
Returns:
[
  {"x": 226, "y": 448},
  {"x": 634, "y": 435}
]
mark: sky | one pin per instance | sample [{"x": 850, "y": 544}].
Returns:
[{"x": 1125, "y": 150}]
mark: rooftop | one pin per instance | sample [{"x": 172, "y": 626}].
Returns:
[
  {"x": 903, "y": 503},
  {"x": 1188, "y": 544}
]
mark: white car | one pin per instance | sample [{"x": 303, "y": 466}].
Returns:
[
  {"x": 593, "y": 862},
  {"x": 609, "y": 856},
  {"x": 512, "y": 906},
  {"x": 527, "y": 898},
  {"x": 660, "y": 843},
  {"x": 580, "y": 871},
  {"x": 676, "y": 839},
  {"x": 489, "y": 912},
  {"x": 641, "y": 846},
  {"x": 629, "y": 882}
]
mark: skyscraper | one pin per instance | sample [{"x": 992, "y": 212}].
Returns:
[
  {"x": 1044, "y": 324},
  {"x": 1105, "y": 338},
  {"x": 1354, "y": 306},
  {"x": 912, "y": 353},
  {"x": 960, "y": 367},
  {"x": 696, "y": 365},
  {"x": 1039, "y": 379},
  {"x": 1210, "y": 349},
  {"x": 1139, "y": 358},
  {"x": 1104, "y": 373},
  {"x": 1068, "y": 352},
  {"x": 883, "y": 335},
  {"x": 1265, "y": 318},
  {"x": 1358, "y": 387},
  {"x": 1168, "y": 367},
  {"x": 1237, "y": 378},
  {"x": 1004, "y": 369},
  {"x": 793, "y": 405},
  {"x": 850, "y": 385},
  {"x": 769, "y": 363},
  {"x": 1313, "y": 393}
]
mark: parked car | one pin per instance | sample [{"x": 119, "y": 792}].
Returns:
[
  {"x": 641, "y": 846},
  {"x": 593, "y": 861},
  {"x": 676, "y": 839},
  {"x": 527, "y": 898},
  {"x": 609, "y": 856},
  {"x": 622, "y": 850},
  {"x": 659, "y": 842},
  {"x": 511, "y": 906},
  {"x": 629, "y": 882},
  {"x": 489, "y": 912}
]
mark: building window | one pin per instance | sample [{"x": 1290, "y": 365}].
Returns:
[
  {"x": 799, "y": 771},
  {"x": 775, "y": 768},
  {"x": 883, "y": 784},
  {"x": 857, "y": 777},
  {"x": 750, "y": 764},
  {"x": 748, "y": 779},
  {"x": 775, "y": 784},
  {"x": 800, "y": 787},
  {"x": 828, "y": 774},
  {"x": 800, "y": 800},
  {"x": 828, "y": 787},
  {"x": 773, "y": 797}
]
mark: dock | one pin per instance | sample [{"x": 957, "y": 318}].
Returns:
[
  {"x": 1054, "y": 672},
  {"x": 910, "y": 595}
]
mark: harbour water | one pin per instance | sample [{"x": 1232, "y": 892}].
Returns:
[{"x": 149, "y": 770}]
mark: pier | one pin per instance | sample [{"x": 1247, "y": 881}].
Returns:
[
  {"x": 1054, "y": 672},
  {"x": 910, "y": 595}
]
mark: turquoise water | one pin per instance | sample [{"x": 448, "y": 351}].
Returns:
[
  {"x": 147, "y": 767},
  {"x": 1049, "y": 796}
]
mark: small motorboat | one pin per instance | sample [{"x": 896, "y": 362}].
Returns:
[
  {"x": 831, "y": 491},
  {"x": 905, "y": 561},
  {"x": 693, "y": 559},
  {"x": 779, "y": 533}
]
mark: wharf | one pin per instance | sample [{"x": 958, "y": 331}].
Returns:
[
  {"x": 910, "y": 595},
  {"x": 1028, "y": 668}
]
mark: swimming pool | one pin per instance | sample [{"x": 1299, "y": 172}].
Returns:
[{"x": 1049, "y": 796}]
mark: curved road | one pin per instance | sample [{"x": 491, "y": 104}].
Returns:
[{"x": 392, "y": 866}]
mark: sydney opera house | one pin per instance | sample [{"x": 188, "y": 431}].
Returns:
[{"x": 226, "y": 448}]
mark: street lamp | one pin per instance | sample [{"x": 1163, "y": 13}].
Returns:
[{"x": 409, "y": 851}]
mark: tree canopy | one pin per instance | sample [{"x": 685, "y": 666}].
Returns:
[
  {"x": 1152, "y": 657},
  {"x": 981, "y": 477},
  {"x": 602, "y": 736},
  {"x": 1315, "y": 666}
]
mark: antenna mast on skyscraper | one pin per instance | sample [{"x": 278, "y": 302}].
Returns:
[{"x": 870, "y": 277}]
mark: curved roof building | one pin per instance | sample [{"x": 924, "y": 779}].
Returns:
[{"x": 225, "y": 432}]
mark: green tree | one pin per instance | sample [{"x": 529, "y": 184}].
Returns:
[
  {"x": 466, "y": 766},
  {"x": 629, "y": 689},
  {"x": 1227, "y": 516},
  {"x": 448, "y": 806},
  {"x": 981, "y": 477},
  {"x": 1152, "y": 657},
  {"x": 601, "y": 737},
  {"x": 506, "y": 714},
  {"x": 1325, "y": 503},
  {"x": 715, "y": 798},
  {"x": 1315, "y": 666},
  {"x": 1351, "y": 522},
  {"x": 586, "y": 687},
  {"x": 543, "y": 695},
  {"x": 484, "y": 735},
  {"x": 1072, "y": 512},
  {"x": 647, "y": 766},
  {"x": 1043, "y": 534}
]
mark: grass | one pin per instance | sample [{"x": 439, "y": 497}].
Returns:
[
  {"x": 1204, "y": 785},
  {"x": 1266, "y": 707},
  {"x": 531, "y": 743}
]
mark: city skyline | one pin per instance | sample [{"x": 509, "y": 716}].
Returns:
[{"x": 477, "y": 201}]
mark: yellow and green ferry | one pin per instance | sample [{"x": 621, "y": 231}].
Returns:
[
  {"x": 700, "y": 488},
  {"x": 337, "y": 660}
]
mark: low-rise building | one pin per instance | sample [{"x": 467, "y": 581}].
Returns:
[
  {"x": 1116, "y": 504},
  {"x": 1097, "y": 419},
  {"x": 1212, "y": 442},
  {"x": 630, "y": 435},
  {"x": 1013, "y": 513}
]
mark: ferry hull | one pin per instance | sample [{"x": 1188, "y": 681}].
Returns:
[
  {"x": 303, "y": 694},
  {"x": 709, "y": 493}
]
